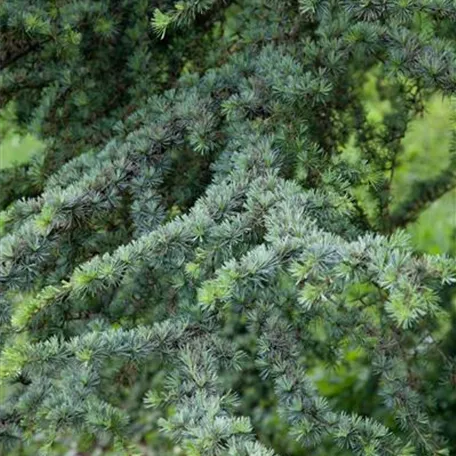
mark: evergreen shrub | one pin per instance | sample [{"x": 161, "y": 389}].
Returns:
[{"x": 207, "y": 259}]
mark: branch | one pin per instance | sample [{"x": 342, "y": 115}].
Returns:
[
  {"x": 424, "y": 194},
  {"x": 25, "y": 52}
]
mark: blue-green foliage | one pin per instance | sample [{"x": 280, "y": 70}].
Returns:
[{"x": 210, "y": 258}]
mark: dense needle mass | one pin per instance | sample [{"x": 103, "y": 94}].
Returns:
[{"x": 196, "y": 246}]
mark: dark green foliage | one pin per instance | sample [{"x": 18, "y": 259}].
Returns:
[
  {"x": 211, "y": 249},
  {"x": 77, "y": 67}
]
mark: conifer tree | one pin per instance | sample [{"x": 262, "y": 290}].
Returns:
[{"x": 196, "y": 248}]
